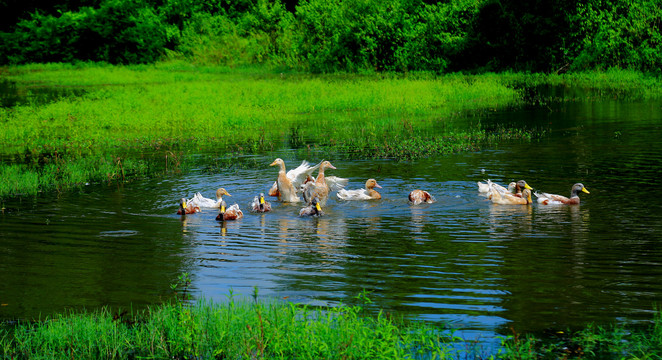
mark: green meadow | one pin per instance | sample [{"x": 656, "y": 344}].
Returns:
[{"x": 128, "y": 122}]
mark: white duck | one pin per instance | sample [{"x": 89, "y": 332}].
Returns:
[
  {"x": 207, "y": 203},
  {"x": 285, "y": 187},
  {"x": 513, "y": 187},
  {"x": 369, "y": 193},
  {"x": 484, "y": 188}
]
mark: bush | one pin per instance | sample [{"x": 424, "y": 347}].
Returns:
[
  {"x": 253, "y": 37},
  {"x": 359, "y": 35},
  {"x": 349, "y": 35},
  {"x": 619, "y": 34},
  {"x": 117, "y": 32}
]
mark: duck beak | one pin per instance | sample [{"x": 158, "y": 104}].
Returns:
[
  {"x": 526, "y": 186},
  {"x": 273, "y": 163},
  {"x": 261, "y": 200},
  {"x": 584, "y": 190},
  {"x": 222, "y": 209},
  {"x": 377, "y": 186},
  {"x": 317, "y": 206}
]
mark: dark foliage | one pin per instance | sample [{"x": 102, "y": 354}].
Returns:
[{"x": 340, "y": 35}]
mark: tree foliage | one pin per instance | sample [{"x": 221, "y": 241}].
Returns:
[
  {"x": 119, "y": 31},
  {"x": 619, "y": 34},
  {"x": 343, "y": 35}
]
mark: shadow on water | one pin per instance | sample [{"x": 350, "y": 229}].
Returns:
[{"x": 481, "y": 267}]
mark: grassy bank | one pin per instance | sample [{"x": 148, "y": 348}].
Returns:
[
  {"x": 132, "y": 121},
  {"x": 250, "y": 329},
  {"x": 241, "y": 329}
]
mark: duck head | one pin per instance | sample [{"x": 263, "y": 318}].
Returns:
[
  {"x": 316, "y": 205},
  {"x": 371, "y": 184},
  {"x": 220, "y": 192},
  {"x": 219, "y": 217},
  {"x": 521, "y": 185},
  {"x": 279, "y": 162},
  {"x": 222, "y": 207},
  {"x": 326, "y": 165},
  {"x": 261, "y": 201},
  {"x": 577, "y": 188}
]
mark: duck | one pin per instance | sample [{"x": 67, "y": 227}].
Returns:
[
  {"x": 420, "y": 196},
  {"x": 484, "y": 188},
  {"x": 187, "y": 207},
  {"x": 507, "y": 198},
  {"x": 520, "y": 186},
  {"x": 207, "y": 203},
  {"x": 553, "y": 199},
  {"x": 229, "y": 213},
  {"x": 259, "y": 204},
  {"x": 513, "y": 187},
  {"x": 369, "y": 193},
  {"x": 322, "y": 188},
  {"x": 307, "y": 189},
  {"x": 288, "y": 182},
  {"x": 314, "y": 209}
]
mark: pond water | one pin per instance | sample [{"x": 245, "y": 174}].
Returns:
[{"x": 481, "y": 267}]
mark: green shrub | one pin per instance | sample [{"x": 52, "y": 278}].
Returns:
[
  {"x": 248, "y": 38},
  {"x": 360, "y": 35},
  {"x": 619, "y": 34},
  {"x": 117, "y": 32}
]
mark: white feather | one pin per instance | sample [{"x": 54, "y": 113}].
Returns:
[
  {"x": 359, "y": 194},
  {"x": 297, "y": 175},
  {"x": 204, "y": 202}
]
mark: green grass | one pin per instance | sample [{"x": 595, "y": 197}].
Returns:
[
  {"x": 252, "y": 329},
  {"x": 238, "y": 329},
  {"x": 126, "y": 122}
]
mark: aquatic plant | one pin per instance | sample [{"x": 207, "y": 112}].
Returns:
[{"x": 615, "y": 341}]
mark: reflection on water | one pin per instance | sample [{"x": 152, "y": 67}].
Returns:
[
  {"x": 480, "y": 266},
  {"x": 12, "y": 95}
]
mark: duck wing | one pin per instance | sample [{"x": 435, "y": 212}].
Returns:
[
  {"x": 204, "y": 202},
  {"x": 336, "y": 183},
  {"x": 359, "y": 194},
  {"x": 296, "y": 176},
  {"x": 483, "y": 188},
  {"x": 507, "y": 199},
  {"x": 234, "y": 212},
  {"x": 553, "y": 199},
  {"x": 299, "y": 174}
]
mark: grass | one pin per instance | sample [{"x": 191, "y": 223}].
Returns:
[
  {"x": 126, "y": 122},
  {"x": 252, "y": 329},
  {"x": 237, "y": 329}
]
